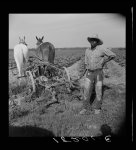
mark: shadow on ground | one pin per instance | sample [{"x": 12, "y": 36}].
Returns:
[{"x": 29, "y": 131}]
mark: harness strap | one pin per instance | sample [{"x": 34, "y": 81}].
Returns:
[
  {"x": 39, "y": 45},
  {"x": 22, "y": 43}
]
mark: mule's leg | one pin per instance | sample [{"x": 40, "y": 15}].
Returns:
[
  {"x": 42, "y": 55},
  {"x": 19, "y": 73},
  {"x": 18, "y": 68},
  {"x": 51, "y": 55},
  {"x": 25, "y": 60},
  {"x": 19, "y": 63},
  {"x": 24, "y": 66}
]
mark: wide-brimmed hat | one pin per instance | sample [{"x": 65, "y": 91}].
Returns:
[{"x": 96, "y": 38}]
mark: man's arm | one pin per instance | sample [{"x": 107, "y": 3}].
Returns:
[{"x": 108, "y": 56}]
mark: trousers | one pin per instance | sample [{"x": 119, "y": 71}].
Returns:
[{"x": 95, "y": 83}]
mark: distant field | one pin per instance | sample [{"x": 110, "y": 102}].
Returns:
[{"x": 71, "y": 54}]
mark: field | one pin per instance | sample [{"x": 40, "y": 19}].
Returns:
[{"x": 63, "y": 118}]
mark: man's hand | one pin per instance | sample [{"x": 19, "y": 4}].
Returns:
[
  {"x": 110, "y": 58},
  {"x": 107, "y": 59}
]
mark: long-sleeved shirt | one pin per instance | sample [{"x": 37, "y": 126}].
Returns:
[{"x": 95, "y": 58}]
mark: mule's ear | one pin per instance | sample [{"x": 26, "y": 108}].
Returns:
[
  {"x": 42, "y": 37},
  {"x": 36, "y": 37}
]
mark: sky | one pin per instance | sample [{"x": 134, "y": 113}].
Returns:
[{"x": 68, "y": 30}]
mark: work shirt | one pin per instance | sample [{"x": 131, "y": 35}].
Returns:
[{"x": 95, "y": 58}]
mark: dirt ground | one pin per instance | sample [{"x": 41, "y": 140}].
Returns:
[{"x": 62, "y": 118}]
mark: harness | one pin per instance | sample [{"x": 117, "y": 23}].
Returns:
[
  {"x": 39, "y": 45},
  {"x": 40, "y": 49},
  {"x": 22, "y": 43}
]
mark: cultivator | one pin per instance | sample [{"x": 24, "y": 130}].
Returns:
[{"x": 46, "y": 75}]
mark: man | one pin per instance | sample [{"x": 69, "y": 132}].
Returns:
[{"x": 95, "y": 59}]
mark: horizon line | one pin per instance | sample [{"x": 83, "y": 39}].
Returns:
[{"x": 76, "y": 47}]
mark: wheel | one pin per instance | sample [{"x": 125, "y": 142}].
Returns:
[{"x": 30, "y": 81}]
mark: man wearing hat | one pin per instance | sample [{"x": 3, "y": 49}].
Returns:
[{"x": 95, "y": 59}]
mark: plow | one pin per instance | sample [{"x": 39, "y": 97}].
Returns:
[{"x": 48, "y": 76}]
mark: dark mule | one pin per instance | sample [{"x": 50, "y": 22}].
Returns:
[{"x": 46, "y": 50}]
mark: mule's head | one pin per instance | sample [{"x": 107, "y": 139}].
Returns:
[
  {"x": 22, "y": 41},
  {"x": 39, "y": 41}
]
